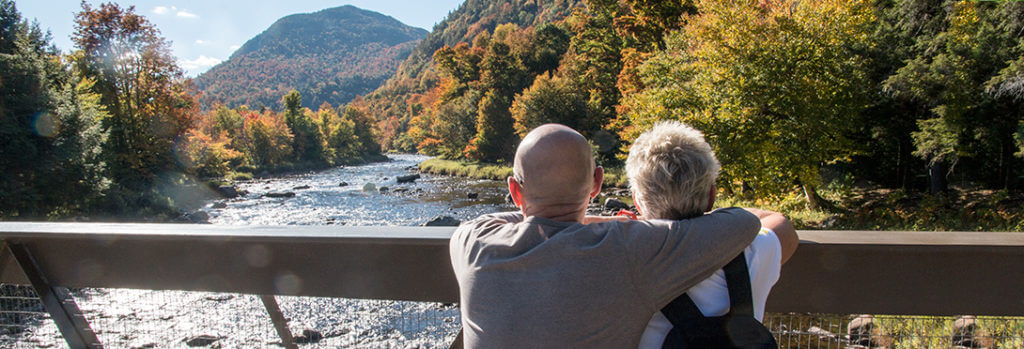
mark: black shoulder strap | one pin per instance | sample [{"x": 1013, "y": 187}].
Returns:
[
  {"x": 687, "y": 319},
  {"x": 737, "y": 279}
]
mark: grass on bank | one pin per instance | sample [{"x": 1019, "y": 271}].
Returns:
[
  {"x": 613, "y": 177},
  {"x": 856, "y": 208}
]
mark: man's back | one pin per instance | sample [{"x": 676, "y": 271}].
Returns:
[{"x": 544, "y": 283}]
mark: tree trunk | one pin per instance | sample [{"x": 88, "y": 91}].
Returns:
[
  {"x": 937, "y": 183},
  {"x": 903, "y": 164},
  {"x": 1006, "y": 164},
  {"x": 815, "y": 201}
]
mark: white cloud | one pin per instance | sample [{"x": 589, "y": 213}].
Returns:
[
  {"x": 187, "y": 14},
  {"x": 202, "y": 42},
  {"x": 235, "y": 47},
  {"x": 199, "y": 64},
  {"x": 163, "y": 9}
]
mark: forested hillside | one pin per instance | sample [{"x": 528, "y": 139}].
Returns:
[
  {"x": 412, "y": 92},
  {"x": 329, "y": 56},
  {"x": 793, "y": 95}
]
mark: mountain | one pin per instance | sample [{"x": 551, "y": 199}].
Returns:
[{"x": 329, "y": 56}]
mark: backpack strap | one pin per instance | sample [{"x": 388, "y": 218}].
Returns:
[
  {"x": 737, "y": 279},
  {"x": 686, "y": 317}
]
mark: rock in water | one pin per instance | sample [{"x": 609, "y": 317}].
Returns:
[
  {"x": 615, "y": 204},
  {"x": 201, "y": 340},
  {"x": 408, "y": 178},
  {"x": 198, "y": 217},
  {"x": 301, "y": 187},
  {"x": 343, "y": 184},
  {"x": 308, "y": 336},
  {"x": 443, "y": 221},
  {"x": 370, "y": 187},
  {"x": 228, "y": 191},
  {"x": 220, "y": 205},
  {"x": 383, "y": 190},
  {"x": 472, "y": 195},
  {"x": 286, "y": 194}
]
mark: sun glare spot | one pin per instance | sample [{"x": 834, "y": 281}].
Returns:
[
  {"x": 45, "y": 125},
  {"x": 288, "y": 283}
]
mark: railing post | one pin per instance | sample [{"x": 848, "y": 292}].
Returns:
[
  {"x": 277, "y": 318},
  {"x": 58, "y": 302}
]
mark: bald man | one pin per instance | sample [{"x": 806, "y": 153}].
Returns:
[{"x": 540, "y": 278}]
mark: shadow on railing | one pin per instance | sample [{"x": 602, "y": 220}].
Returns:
[{"x": 932, "y": 274}]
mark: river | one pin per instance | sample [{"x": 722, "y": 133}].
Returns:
[
  {"x": 351, "y": 195},
  {"x": 320, "y": 199}
]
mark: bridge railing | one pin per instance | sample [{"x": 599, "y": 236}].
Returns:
[{"x": 833, "y": 272}]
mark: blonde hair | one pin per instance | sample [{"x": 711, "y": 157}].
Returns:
[{"x": 671, "y": 170}]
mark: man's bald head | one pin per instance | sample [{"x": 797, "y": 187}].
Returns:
[{"x": 555, "y": 166}]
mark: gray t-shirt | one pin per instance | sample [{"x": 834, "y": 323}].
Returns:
[{"x": 539, "y": 283}]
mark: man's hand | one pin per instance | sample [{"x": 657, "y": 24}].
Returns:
[{"x": 783, "y": 229}]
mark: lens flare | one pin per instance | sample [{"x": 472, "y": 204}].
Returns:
[{"x": 45, "y": 125}]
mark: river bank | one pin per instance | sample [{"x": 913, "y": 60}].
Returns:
[{"x": 863, "y": 207}]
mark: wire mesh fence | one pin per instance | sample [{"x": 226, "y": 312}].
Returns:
[
  {"x": 123, "y": 318},
  {"x": 888, "y": 331}
]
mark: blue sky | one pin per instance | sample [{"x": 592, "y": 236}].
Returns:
[{"x": 205, "y": 32}]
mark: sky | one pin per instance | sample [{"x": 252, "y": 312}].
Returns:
[{"x": 206, "y": 32}]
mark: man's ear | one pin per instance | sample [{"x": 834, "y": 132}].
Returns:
[
  {"x": 711, "y": 198},
  {"x": 595, "y": 188},
  {"x": 516, "y": 191}
]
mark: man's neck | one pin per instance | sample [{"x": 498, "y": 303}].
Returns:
[{"x": 562, "y": 213}]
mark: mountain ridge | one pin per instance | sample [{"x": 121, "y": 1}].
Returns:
[{"x": 329, "y": 56}]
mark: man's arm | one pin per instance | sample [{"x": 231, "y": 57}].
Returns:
[
  {"x": 669, "y": 257},
  {"x": 783, "y": 229}
]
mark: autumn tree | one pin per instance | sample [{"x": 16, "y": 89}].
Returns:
[
  {"x": 775, "y": 87},
  {"x": 141, "y": 87}
]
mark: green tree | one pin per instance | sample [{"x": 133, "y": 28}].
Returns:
[
  {"x": 551, "y": 99},
  {"x": 495, "y": 139},
  {"x": 307, "y": 141},
  {"x": 49, "y": 134}
]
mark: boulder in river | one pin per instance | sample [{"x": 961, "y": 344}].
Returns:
[
  {"x": 200, "y": 217},
  {"x": 301, "y": 187},
  {"x": 369, "y": 187},
  {"x": 615, "y": 204},
  {"x": 472, "y": 195},
  {"x": 383, "y": 190},
  {"x": 228, "y": 191},
  {"x": 443, "y": 221},
  {"x": 220, "y": 204},
  {"x": 408, "y": 178},
  {"x": 343, "y": 184},
  {"x": 284, "y": 194}
]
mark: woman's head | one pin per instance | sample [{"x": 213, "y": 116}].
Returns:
[{"x": 672, "y": 171}]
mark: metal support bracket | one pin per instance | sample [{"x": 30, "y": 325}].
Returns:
[
  {"x": 280, "y": 324},
  {"x": 57, "y": 301},
  {"x": 457, "y": 343}
]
